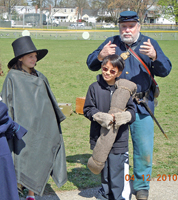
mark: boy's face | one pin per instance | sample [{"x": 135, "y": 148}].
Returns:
[{"x": 110, "y": 73}]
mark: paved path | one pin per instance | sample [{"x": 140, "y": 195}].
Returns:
[{"x": 159, "y": 190}]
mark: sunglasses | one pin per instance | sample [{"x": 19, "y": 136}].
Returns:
[{"x": 105, "y": 69}]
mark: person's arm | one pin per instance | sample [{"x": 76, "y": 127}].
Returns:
[
  {"x": 93, "y": 113},
  {"x": 161, "y": 65},
  {"x": 8, "y": 126},
  {"x": 89, "y": 108},
  {"x": 14, "y": 129},
  {"x": 6, "y": 94},
  {"x": 94, "y": 59}
]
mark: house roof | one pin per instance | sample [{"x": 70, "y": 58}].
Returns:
[{"x": 89, "y": 12}]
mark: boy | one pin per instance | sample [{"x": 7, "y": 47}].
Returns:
[{"x": 98, "y": 100}]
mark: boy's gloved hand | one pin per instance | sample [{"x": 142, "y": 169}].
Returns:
[
  {"x": 104, "y": 119},
  {"x": 122, "y": 118}
]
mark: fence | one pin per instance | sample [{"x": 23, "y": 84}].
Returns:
[{"x": 66, "y": 34}]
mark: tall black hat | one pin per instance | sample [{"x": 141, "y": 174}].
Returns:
[{"x": 23, "y": 46}]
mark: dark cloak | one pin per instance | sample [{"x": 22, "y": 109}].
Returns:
[{"x": 41, "y": 152}]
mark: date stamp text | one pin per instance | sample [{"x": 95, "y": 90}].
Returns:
[{"x": 159, "y": 177}]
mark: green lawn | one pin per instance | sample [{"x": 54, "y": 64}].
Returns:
[{"x": 69, "y": 77}]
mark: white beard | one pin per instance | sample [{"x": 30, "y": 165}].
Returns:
[{"x": 130, "y": 40}]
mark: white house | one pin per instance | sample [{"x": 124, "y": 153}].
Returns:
[
  {"x": 104, "y": 13},
  {"x": 88, "y": 16},
  {"x": 151, "y": 16},
  {"x": 64, "y": 14},
  {"x": 163, "y": 20},
  {"x": 25, "y": 9}
]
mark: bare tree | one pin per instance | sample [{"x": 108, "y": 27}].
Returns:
[
  {"x": 115, "y": 7},
  {"x": 8, "y": 6},
  {"x": 42, "y": 3},
  {"x": 81, "y": 4},
  {"x": 97, "y": 5},
  {"x": 12, "y": 3},
  {"x": 139, "y": 6},
  {"x": 3, "y": 2}
]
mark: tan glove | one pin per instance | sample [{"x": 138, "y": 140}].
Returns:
[
  {"x": 122, "y": 118},
  {"x": 104, "y": 119}
]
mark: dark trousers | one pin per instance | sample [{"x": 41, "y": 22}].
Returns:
[{"x": 113, "y": 177}]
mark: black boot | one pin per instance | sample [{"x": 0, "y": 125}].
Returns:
[{"x": 142, "y": 195}]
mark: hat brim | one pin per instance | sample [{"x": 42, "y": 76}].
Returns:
[
  {"x": 128, "y": 20},
  {"x": 41, "y": 53}
]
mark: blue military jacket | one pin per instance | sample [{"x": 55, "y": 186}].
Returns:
[
  {"x": 8, "y": 129},
  {"x": 134, "y": 71}
]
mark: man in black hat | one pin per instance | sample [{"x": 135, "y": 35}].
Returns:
[{"x": 142, "y": 130}]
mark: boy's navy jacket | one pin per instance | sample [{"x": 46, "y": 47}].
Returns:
[{"x": 98, "y": 99}]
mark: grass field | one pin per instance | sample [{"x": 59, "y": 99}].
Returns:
[
  {"x": 67, "y": 72},
  {"x": 67, "y": 34}
]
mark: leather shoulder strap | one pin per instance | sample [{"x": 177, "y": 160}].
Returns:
[{"x": 141, "y": 61}]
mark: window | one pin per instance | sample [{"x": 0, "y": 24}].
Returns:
[{"x": 151, "y": 20}]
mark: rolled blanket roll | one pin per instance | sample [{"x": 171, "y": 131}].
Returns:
[{"x": 125, "y": 89}]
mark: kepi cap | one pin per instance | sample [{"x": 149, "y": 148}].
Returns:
[{"x": 127, "y": 16}]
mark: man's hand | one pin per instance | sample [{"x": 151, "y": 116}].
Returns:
[
  {"x": 148, "y": 49},
  {"x": 108, "y": 49}
]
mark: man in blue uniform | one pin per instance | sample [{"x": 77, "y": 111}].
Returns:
[{"x": 142, "y": 130}]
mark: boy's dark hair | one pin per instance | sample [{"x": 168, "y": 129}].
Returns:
[{"x": 115, "y": 60}]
